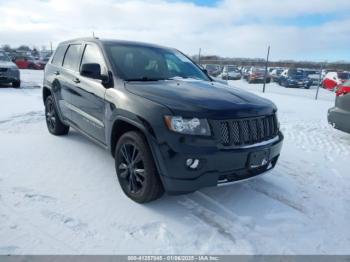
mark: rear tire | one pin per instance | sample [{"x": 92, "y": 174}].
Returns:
[
  {"x": 16, "y": 84},
  {"x": 136, "y": 171},
  {"x": 53, "y": 122}
]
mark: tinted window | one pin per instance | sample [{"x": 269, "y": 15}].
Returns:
[
  {"x": 92, "y": 54},
  {"x": 142, "y": 63},
  {"x": 72, "y": 58},
  {"x": 58, "y": 57}
]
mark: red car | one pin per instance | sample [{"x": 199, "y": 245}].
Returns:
[
  {"x": 26, "y": 62},
  {"x": 333, "y": 79}
]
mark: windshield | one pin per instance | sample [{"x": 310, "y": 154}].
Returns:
[
  {"x": 4, "y": 57},
  {"x": 142, "y": 63},
  {"x": 259, "y": 70},
  {"x": 294, "y": 72},
  {"x": 232, "y": 69},
  {"x": 211, "y": 67}
]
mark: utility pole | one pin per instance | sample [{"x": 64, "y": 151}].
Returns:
[
  {"x": 51, "y": 47},
  {"x": 267, "y": 62},
  {"x": 199, "y": 56},
  {"x": 319, "y": 82}
]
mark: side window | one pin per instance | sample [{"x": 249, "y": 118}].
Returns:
[
  {"x": 58, "y": 57},
  {"x": 92, "y": 54},
  {"x": 72, "y": 58}
]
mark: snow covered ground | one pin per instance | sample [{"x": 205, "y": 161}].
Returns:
[{"x": 60, "y": 195}]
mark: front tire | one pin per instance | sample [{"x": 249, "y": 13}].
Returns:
[
  {"x": 16, "y": 84},
  {"x": 53, "y": 122},
  {"x": 136, "y": 171}
]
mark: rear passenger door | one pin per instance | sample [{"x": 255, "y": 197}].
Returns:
[
  {"x": 54, "y": 77},
  {"x": 88, "y": 96},
  {"x": 68, "y": 78}
]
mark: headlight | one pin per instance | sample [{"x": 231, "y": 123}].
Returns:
[{"x": 189, "y": 126}]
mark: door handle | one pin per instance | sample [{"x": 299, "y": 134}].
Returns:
[
  {"x": 76, "y": 80},
  {"x": 57, "y": 73}
]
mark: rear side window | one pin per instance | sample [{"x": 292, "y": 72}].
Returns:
[
  {"x": 72, "y": 57},
  {"x": 58, "y": 57}
]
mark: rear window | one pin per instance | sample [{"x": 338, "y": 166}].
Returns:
[
  {"x": 72, "y": 57},
  {"x": 58, "y": 57}
]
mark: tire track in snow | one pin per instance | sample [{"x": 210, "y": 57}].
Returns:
[
  {"x": 313, "y": 136},
  {"x": 18, "y": 120},
  {"x": 230, "y": 228}
]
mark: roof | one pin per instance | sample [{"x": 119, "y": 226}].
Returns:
[{"x": 113, "y": 41}]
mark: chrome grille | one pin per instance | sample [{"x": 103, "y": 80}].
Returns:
[{"x": 246, "y": 131}]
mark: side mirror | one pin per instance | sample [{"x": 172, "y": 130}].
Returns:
[{"x": 92, "y": 70}]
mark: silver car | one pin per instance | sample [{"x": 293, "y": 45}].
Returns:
[
  {"x": 9, "y": 72},
  {"x": 231, "y": 73}
]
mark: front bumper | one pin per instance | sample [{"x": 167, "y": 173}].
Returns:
[
  {"x": 339, "y": 119},
  {"x": 216, "y": 166},
  {"x": 299, "y": 83},
  {"x": 8, "y": 75}
]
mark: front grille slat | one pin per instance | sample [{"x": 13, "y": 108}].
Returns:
[{"x": 246, "y": 131}]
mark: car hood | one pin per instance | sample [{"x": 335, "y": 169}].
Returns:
[
  {"x": 193, "y": 98},
  {"x": 7, "y": 64}
]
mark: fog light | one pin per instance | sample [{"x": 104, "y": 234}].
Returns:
[{"x": 192, "y": 163}]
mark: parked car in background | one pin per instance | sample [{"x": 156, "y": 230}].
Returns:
[
  {"x": 245, "y": 71},
  {"x": 339, "y": 115},
  {"x": 167, "y": 124},
  {"x": 9, "y": 72},
  {"x": 333, "y": 79},
  {"x": 313, "y": 75},
  {"x": 257, "y": 74},
  {"x": 42, "y": 61},
  {"x": 27, "y": 62},
  {"x": 230, "y": 72},
  {"x": 294, "y": 78},
  {"x": 275, "y": 74},
  {"x": 212, "y": 69}
]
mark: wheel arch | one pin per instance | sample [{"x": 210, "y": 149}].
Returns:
[
  {"x": 46, "y": 93},
  {"x": 121, "y": 125}
]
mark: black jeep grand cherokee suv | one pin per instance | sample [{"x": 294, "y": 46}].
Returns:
[{"x": 167, "y": 124}]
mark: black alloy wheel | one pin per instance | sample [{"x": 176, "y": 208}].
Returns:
[
  {"x": 53, "y": 122},
  {"x": 136, "y": 170},
  {"x": 131, "y": 168}
]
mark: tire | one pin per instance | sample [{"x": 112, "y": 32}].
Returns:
[
  {"x": 136, "y": 171},
  {"x": 16, "y": 84},
  {"x": 53, "y": 122}
]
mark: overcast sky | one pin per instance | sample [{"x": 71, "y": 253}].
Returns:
[{"x": 303, "y": 30}]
